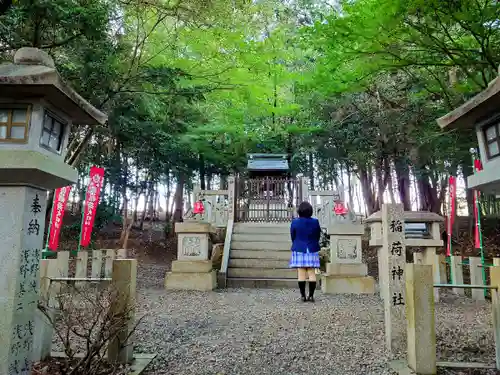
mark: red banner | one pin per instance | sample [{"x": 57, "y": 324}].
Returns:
[
  {"x": 91, "y": 203},
  {"x": 61, "y": 196},
  {"x": 451, "y": 216},
  {"x": 477, "y": 242}
]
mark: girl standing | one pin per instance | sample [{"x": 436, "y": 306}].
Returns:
[{"x": 305, "y": 232}]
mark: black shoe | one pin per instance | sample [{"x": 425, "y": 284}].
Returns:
[
  {"x": 310, "y": 299},
  {"x": 304, "y": 299}
]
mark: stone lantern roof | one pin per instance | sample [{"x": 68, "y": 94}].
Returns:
[
  {"x": 474, "y": 110},
  {"x": 33, "y": 74},
  {"x": 410, "y": 217}
]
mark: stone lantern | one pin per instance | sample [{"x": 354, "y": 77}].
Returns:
[
  {"x": 37, "y": 110},
  {"x": 422, "y": 230},
  {"x": 482, "y": 114}
]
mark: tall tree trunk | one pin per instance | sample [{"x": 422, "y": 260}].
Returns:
[
  {"x": 349, "y": 187},
  {"x": 147, "y": 198},
  {"x": 134, "y": 216},
  {"x": 209, "y": 180},
  {"x": 179, "y": 198},
  {"x": 365, "y": 179},
  {"x": 390, "y": 187},
  {"x": 311, "y": 170},
  {"x": 403, "y": 181},
  {"x": 223, "y": 182},
  {"x": 125, "y": 201},
  {"x": 469, "y": 194},
  {"x": 202, "y": 172},
  {"x": 427, "y": 193}
]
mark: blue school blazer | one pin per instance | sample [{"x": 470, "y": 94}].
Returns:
[{"x": 305, "y": 233}]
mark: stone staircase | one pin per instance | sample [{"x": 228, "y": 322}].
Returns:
[{"x": 259, "y": 256}]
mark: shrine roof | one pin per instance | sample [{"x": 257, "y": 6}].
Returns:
[
  {"x": 33, "y": 75},
  {"x": 267, "y": 162}
]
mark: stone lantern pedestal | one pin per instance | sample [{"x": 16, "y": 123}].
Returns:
[
  {"x": 37, "y": 110},
  {"x": 346, "y": 273},
  {"x": 193, "y": 268}
]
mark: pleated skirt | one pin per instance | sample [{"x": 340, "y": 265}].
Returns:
[{"x": 304, "y": 260}]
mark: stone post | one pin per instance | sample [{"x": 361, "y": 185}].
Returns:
[
  {"x": 382, "y": 256},
  {"x": 123, "y": 287},
  {"x": 21, "y": 233},
  {"x": 421, "y": 330},
  {"x": 193, "y": 268},
  {"x": 495, "y": 310},
  {"x": 346, "y": 273},
  {"x": 432, "y": 259},
  {"x": 443, "y": 278},
  {"x": 457, "y": 273},
  {"x": 231, "y": 199},
  {"x": 476, "y": 277},
  {"x": 34, "y": 98},
  {"x": 393, "y": 240}
]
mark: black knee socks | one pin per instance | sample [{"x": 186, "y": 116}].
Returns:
[
  {"x": 312, "y": 288},
  {"x": 302, "y": 288}
]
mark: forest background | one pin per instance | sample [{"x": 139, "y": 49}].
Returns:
[{"x": 349, "y": 89}]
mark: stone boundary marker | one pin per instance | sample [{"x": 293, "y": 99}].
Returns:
[{"x": 393, "y": 266}]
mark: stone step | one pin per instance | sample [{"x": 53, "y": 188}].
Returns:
[
  {"x": 257, "y": 237},
  {"x": 256, "y": 254},
  {"x": 262, "y": 273},
  {"x": 258, "y": 263},
  {"x": 262, "y": 228},
  {"x": 240, "y": 282},
  {"x": 255, "y": 245}
]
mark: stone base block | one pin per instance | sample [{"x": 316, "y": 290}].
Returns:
[
  {"x": 191, "y": 266},
  {"x": 201, "y": 281},
  {"x": 334, "y": 284},
  {"x": 346, "y": 269}
]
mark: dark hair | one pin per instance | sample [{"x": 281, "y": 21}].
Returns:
[{"x": 305, "y": 209}]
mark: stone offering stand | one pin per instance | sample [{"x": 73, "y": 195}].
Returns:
[
  {"x": 346, "y": 273},
  {"x": 193, "y": 268}
]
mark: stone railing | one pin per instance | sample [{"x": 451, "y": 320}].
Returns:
[{"x": 218, "y": 204}]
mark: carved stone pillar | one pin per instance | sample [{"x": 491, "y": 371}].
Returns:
[{"x": 193, "y": 268}]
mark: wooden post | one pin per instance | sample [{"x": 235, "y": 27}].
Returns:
[
  {"x": 42, "y": 337},
  {"x": 108, "y": 264},
  {"x": 457, "y": 273},
  {"x": 96, "y": 264},
  {"x": 82, "y": 262},
  {"x": 476, "y": 277},
  {"x": 124, "y": 287},
  {"x": 393, "y": 240},
  {"x": 495, "y": 309},
  {"x": 58, "y": 268},
  {"x": 420, "y": 319}
]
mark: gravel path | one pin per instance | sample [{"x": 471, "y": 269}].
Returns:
[{"x": 247, "y": 331}]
